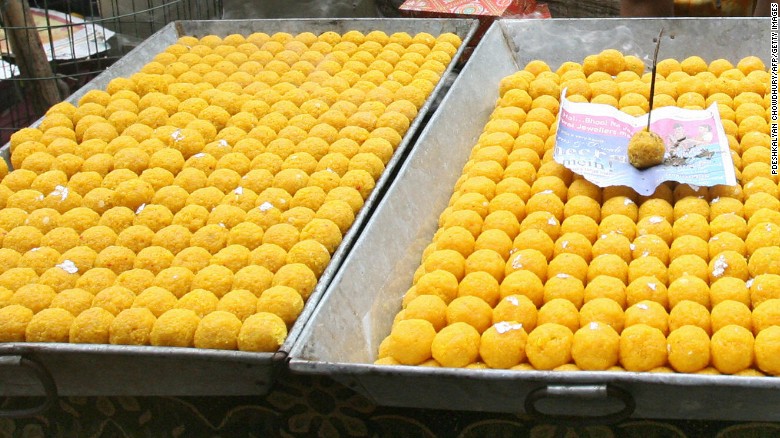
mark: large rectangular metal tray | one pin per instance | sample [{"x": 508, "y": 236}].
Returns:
[
  {"x": 342, "y": 337},
  {"x": 80, "y": 369}
]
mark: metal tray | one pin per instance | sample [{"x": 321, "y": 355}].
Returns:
[
  {"x": 80, "y": 369},
  {"x": 343, "y": 335}
]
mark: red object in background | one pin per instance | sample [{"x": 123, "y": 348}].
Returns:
[{"x": 484, "y": 10}]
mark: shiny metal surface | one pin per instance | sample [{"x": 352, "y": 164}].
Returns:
[
  {"x": 80, "y": 369},
  {"x": 356, "y": 313}
]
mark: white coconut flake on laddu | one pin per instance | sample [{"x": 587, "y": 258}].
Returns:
[
  {"x": 546, "y": 192},
  {"x": 655, "y": 219},
  {"x": 627, "y": 201},
  {"x": 652, "y": 286},
  {"x": 643, "y": 306},
  {"x": 562, "y": 275},
  {"x": 552, "y": 221},
  {"x": 749, "y": 283},
  {"x": 265, "y": 206},
  {"x": 504, "y": 326},
  {"x": 199, "y": 155},
  {"x": 140, "y": 208},
  {"x": 239, "y": 190},
  {"x": 224, "y": 143},
  {"x": 719, "y": 267},
  {"x": 565, "y": 244},
  {"x": 177, "y": 135},
  {"x": 60, "y": 191},
  {"x": 632, "y": 247},
  {"x": 593, "y": 325},
  {"x": 68, "y": 266},
  {"x": 516, "y": 263},
  {"x": 513, "y": 300}
]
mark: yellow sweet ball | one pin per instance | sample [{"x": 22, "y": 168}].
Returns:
[
  {"x": 523, "y": 282},
  {"x": 766, "y": 348},
  {"x": 39, "y": 259},
  {"x": 574, "y": 243},
  {"x": 283, "y": 301},
  {"x": 502, "y": 346},
  {"x": 732, "y": 349},
  {"x": 764, "y": 261},
  {"x": 9, "y": 258},
  {"x": 59, "y": 278},
  {"x": 608, "y": 264},
  {"x": 14, "y": 319},
  {"x": 729, "y": 225},
  {"x": 428, "y": 307},
  {"x": 727, "y": 312},
  {"x": 728, "y": 264},
  {"x": 617, "y": 224},
  {"x": 649, "y": 313},
  {"x": 604, "y": 286},
  {"x": 91, "y": 326},
  {"x": 549, "y": 346},
  {"x": 240, "y": 302},
  {"x": 324, "y": 231},
  {"x": 656, "y": 207},
  {"x": 456, "y": 345},
  {"x": 262, "y": 332},
  {"x": 218, "y": 330},
  {"x": 764, "y": 287},
  {"x": 582, "y": 204},
  {"x": 595, "y": 347},
  {"x": 199, "y": 301},
  {"x": 642, "y": 348},
  {"x": 762, "y": 235},
  {"x": 233, "y": 257},
  {"x": 690, "y": 313},
  {"x": 114, "y": 299},
  {"x": 689, "y": 349},
  {"x": 765, "y": 315},
  {"x": 96, "y": 279},
  {"x": 439, "y": 283},
  {"x": 688, "y": 264},
  {"x": 270, "y": 256},
  {"x": 647, "y": 288},
  {"x": 603, "y": 310},
  {"x": 135, "y": 279},
  {"x": 22, "y": 238},
  {"x": 133, "y": 193},
  {"x": 410, "y": 341},
  {"x": 134, "y": 237},
  {"x": 157, "y": 299},
  {"x": 214, "y": 278},
  {"x": 175, "y": 328},
  {"x": 175, "y": 279},
  {"x": 581, "y": 224},
  {"x": 559, "y": 311},
  {"x": 655, "y": 225},
  {"x": 689, "y": 246},
  {"x": 16, "y": 278},
  {"x": 35, "y": 297},
  {"x": 297, "y": 276},
  {"x": 544, "y": 221},
  {"x": 49, "y": 325},
  {"x": 566, "y": 287},
  {"x": 758, "y": 201},
  {"x": 470, "y": 310},
  {"x": 723, "y": 206},
  {"x": 613, "y": 243},
  {"x": 115, "y": 257},
  {"x": 524, "y": 259},
  {"x": 448, "y": 260}
]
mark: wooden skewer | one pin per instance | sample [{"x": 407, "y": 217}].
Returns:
[{"x": 652, "y": 77}]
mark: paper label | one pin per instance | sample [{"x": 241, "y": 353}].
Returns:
[{"x": 592, "y": 140}]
